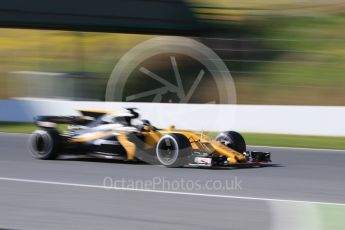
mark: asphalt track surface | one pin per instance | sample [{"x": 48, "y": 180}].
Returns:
[{"x": 68, "y": 193}]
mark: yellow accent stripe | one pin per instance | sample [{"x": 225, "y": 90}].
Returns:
[
  {"x": 96, "y": 136},
  {"x": 129, "y": 146}
]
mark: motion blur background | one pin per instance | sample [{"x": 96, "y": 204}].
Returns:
[
  {"x": 286, "y": 52},
  {"x": 287, "y": 60}
]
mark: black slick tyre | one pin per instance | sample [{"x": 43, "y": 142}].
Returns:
[
  {"x": 44, "y": 144},
  {"x": 173, "y": 150},
  {"x": 233, "y": 140}
]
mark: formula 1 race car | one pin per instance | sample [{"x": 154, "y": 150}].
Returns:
[{"x": 124, "y": 136}]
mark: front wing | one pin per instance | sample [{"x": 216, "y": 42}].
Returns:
[{"x": 254, "y": 158}]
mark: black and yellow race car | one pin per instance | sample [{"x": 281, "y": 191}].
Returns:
[{"x": 125, "y": 136}]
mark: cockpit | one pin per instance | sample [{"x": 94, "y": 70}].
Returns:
[{"x": 126, "y": 119}]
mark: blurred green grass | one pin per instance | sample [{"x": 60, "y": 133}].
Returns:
[
  {"x": 18, "y": 127},
  {"x": 301, "y": 62},
  {"x": 259, "y": 139},
  {"x": 331, "y": 216},
  {"x": 310, "y": 68},
  {"x": 296, "y": 141},
  {"x": 301, "y": 57},
  {"x": 15, "y": 127}
]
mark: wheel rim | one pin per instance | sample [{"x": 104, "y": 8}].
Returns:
[{"x": 167, "y": 151}]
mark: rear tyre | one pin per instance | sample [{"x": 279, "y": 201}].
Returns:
[
  {"x": 233, "y": 140},
  {"x": 45, "y": 144},
  {"x": 173, "y": 150}
]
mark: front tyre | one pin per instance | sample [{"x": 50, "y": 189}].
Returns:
[
  {"x": 44, "y": 144},
  {"x": 173, "y": 150},
  {"x": 233, "y": 140}
]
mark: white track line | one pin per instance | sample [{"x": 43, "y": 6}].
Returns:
[{"x": 163, "y": 192}]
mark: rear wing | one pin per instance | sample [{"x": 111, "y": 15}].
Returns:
[
  {"x": 51, "y": 121},
  {"x": 86, "y": 117},
  {"x": 93, "y": 113}
]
